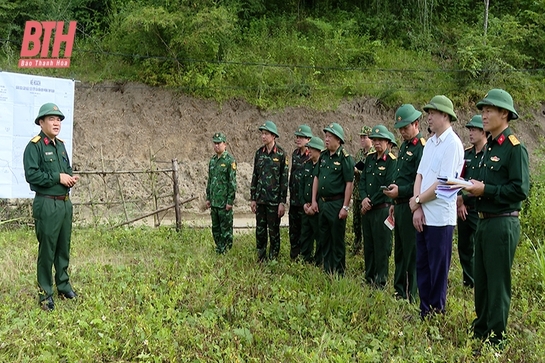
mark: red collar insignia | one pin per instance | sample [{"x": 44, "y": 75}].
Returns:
[
  {"x": 415, "y": 141},
  {"x": 384, "y": 157},
  {"x": 46, "y": 141},
  {"x": 501, "y": 139}
]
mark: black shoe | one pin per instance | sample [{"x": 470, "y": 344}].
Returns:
[
  {"x": 67, "y": 295},
  {"x": 47, "y": 304}
]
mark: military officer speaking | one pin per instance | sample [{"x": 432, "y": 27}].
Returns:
[
  {"x": 48, "y": 171},
  {"x": 502, "y": 185},
  {"x": 220, "y": 193},
  {"x": 331, "y": 194}
]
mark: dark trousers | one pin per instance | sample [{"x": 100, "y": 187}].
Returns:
[
  {"x": 267, "y": 221},
  {"x": 332, "y": 234},
  {"x": 404, "y": 253},
  {"x": 295, "y": 219},
  {"x": 310, "y": 236},
  {"x": 466, "y": 245},
  {"x": 377, "y": 246},
  {"x": 496, "y": 240},
  {"x": 357, "y": 226},
  {"x": 53, "y": 226},
  {"x": 433, "y": 255},
  {"x": 222, "y": 228}
]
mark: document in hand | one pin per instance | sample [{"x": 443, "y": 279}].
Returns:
[
  {"x": 454, "y": 181},
  {"x": 447, "y": 192}
]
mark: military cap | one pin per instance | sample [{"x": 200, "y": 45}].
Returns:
[
  {"x": 443, "y": 104},
  {"x": 365, "y": 131},
  {"x": 405, "y": 115},
  {"x": 271, "y": 127},
  {"x": 380, "y": 132},
  {"x": 316, "y": 143},
  {"x": 48, "y": 109},
  {"x": 219, "y": 137},
  {"x": 336, "y": 130},
  {"x": 476, "y": 121},
  {"x": 304, "y": 131},
  {"x": 392, "y": 138},
  {"x": 501, "y": 99}
]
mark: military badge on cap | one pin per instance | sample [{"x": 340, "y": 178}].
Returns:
[{"x": 218, "y": 137}]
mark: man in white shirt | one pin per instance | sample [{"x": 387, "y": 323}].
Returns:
[{"x": 435, "y": 218}]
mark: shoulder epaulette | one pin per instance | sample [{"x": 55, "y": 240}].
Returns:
[
  {"x": 345, "y": 153},
  {"x": 514, "y": 140},
  {"x": 468, "y": 148},
  {"x": 59, "y": 140},
  {"x": 423, "y": 141},
  {"x": 372, "y": 152},
  {"x": 36, "y": 138},
  {"x": 392, "y": 156}
]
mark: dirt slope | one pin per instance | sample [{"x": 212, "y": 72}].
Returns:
[{"x": 122, "y": 126}]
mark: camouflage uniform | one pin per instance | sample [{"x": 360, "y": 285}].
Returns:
[
  {"x": 296, "y": 205},
  {"x": 220, "y": 191},
  {"x": 268, "y": 189}
]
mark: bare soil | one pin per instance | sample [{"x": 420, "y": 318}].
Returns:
[{"x": 129, "y": 126}]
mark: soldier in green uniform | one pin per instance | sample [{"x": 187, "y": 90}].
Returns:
[
  {"x": 467, "y": 214},
  {"x": 331, "y": 194},
  {"x": 48, "y": 171},
  {"x": 298, "y": 159},
  {"x": 407, "y": 120},
  {"x": 220, "y": 193},
  {"x": 380, "y": 167},
  {"x": 268, "y": 191},
  {"x": 359, "y": 160},
  {"x": 309, "y": 225},
  {"x": 502, "y": 185}
]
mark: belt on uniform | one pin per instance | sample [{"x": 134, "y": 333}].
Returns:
[
  {"x": 380, "y": 206},
  {"x": 401, "y": 201},
  {"x": 56, "y": 197},
  {"x": 483, "y": 215},
  {"x": 335, "y": 197}
]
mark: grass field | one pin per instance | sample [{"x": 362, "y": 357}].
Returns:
[{"x": 155, "y": 295}]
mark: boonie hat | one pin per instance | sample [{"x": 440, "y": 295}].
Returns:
[
  {"x": 501, "y": 99},
  {"x": 380, "y": 132},
  {"x": 405, "y": 115},
  {"x": 316, "y": 143},
  {"x": 48, "y": 109},
  {"x": 336, "y": 130},
  {"x": 304, "y": 131},
  {"x": 476, "y": 121},
  {"x": 219, "y": 137},
  {"x": 443, "y": 104},
  {"x": 365, "y": 131},
  {"x": 269, "y": 126}
]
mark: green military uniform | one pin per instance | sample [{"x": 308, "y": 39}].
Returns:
[
  {"x": 334, "y": 172},
  {"x": 296, "y": 212},
  {"x": 467, "y": 227},
  {"x": 377, "y": 237},
  {"x": 269, "y": 188},
  {"x": 44, "y": 160},
  {"x": 309, "y": 224},
  {"x": 359, "y": 160},
  {"x": 220, "y": 191},
  {"x": 505, "y": 174},
  {"x": 410, "y": 153}
]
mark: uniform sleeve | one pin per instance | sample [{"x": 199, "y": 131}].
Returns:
[
  {"x": 33, "y": 173},
  {"x": 363, "y": 183},
  {"x": 390, "y": 173},
  {"x": 232, "y": 183},
  {"x": 348, "y": 169},
  {"x": 253, "y": 185},
  {"x": 284, "y": 179},
  {"x": 516, "y": 187},
  {"x": 208, "y": 181}
]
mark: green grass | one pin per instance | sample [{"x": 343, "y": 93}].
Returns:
[{"x": 154, "y": 295}]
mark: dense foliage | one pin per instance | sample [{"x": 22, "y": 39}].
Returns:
[{"x": 278, "y": 52}]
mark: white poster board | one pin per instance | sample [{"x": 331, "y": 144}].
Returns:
[{"x": 21, "y": 97}]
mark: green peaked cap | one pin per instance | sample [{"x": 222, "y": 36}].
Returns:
[
  {"x": 48, "y": 109},
  {"x": 501, "y": 99},
  {"x": 476, "y": 121},
  {"x": 304, "y": 131},
  {"x": 380, "y": 132},
  {"x": 336, "y": 130},
  {"x": 405, "y": 115},
  {"x": 269, "y": 126},
  {"x": 316, "y": 143}
]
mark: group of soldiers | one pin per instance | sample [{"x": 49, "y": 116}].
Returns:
[{"x": 393, "y": 196}]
